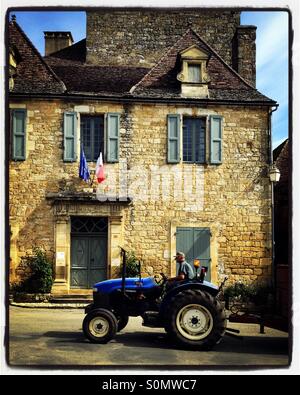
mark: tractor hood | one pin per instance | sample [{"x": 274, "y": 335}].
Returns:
[{"x": 109, "y": 286}]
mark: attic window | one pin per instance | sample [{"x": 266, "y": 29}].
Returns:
[{"x": 194, "y": 73}]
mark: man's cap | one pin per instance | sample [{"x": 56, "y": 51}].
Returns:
[{"x": 179, "y": 253}]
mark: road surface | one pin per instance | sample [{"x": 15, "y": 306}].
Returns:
[{"x": 53, "y": 337}]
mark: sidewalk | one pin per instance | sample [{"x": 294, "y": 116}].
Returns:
[{"x": 47, "y": 305}]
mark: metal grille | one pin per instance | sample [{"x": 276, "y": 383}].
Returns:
[{"x": 89, "y": 225}]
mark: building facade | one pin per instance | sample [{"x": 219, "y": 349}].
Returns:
[{"x": 170, "y": 100}]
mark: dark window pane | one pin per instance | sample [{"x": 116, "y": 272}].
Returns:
[
  {"x": 187, "y": 141},
  {"x": 98, "y": 137},
  {"x": 92, "y": 136},
  {"x": 194, "y": 140},
  {"x": 200, "y": 141}
]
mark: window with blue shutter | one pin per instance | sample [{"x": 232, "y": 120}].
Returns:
[
  {"x": 70, "y": 140},
  {"x": 112, "y": 137},
  {"x": 19, "y": 134},
  {"x": 195, "y": 244},
  {"x": 216, "y": 139},
  {"x": 173, "y": 138}
]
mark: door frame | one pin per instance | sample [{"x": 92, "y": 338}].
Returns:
[
  {"x": 66, "y": 208},
  {"x": 214, "y": 230},
  {"x": 88, "y": 235}
]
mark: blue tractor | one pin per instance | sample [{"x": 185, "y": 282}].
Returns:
[{"x": 188, "y": 310}]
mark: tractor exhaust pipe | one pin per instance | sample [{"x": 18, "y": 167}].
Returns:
[{"x": 123, "y": 252}]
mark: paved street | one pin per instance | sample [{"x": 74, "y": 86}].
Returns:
[{"x": 54, "y": 337}]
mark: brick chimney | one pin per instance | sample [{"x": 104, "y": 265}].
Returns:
[
  {"x": 54, "y": 41},
  {"x": 244, "y": 53}
]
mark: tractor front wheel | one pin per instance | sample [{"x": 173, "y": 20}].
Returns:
[
  {"x": 196, "y": 319},
  {"x": 100, "y": 326}
]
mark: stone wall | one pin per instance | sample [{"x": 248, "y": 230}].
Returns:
[
  {"x": 244, "y": 53},
  {"x": 141, "y": 37},
  {"x": 234, "y": 197}
]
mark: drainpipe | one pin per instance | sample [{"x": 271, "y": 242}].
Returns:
[{"x": 272, "y": 196}]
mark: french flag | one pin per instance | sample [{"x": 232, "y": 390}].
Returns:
[{"x": 100, "y": 169}]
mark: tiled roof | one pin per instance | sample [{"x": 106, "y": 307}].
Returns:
[
  {"x": 33, "y": 75},
  {"x": 225, "y": 83},
  {"x": 108, "y": 81},
  {"x": 80, "y": 77},
  {"x": 160, "y": 82},
  {"x": 277, "y": 151},
  {"x": 74, "y": 53}
]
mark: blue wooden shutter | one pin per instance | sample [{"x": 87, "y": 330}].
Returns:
[
  {"x": 112, "y": 137},
  {"x": 70, "y": 133},
  {"x": 173, "y": 138},
  {"x": 216, "y": 139},
  {"x": 184, "y": 242},
  {"x": 201, "y": 248},
  {"x": 195, "y": 243},
  {"x": 19, "y": 134}
]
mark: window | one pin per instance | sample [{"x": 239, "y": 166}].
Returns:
[
  {"x": 194, "y": 73},
  {"x": 194, "y": 140},
  {"x": 92, "y": 136},
  {"x": 18, "y": 134}
]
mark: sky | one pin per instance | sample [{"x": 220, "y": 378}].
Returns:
[
  {"x": 271, "y": 51},
  {"x": 272, "y": 64}
]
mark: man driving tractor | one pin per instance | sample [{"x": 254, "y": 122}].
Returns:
[
  {"x": 186, "y": 306},
  {"x": 185, "y": 271}
]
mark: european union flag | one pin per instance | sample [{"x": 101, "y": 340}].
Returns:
[{"x": 84, "y": 172}]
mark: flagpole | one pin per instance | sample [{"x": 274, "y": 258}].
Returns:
[{"x": 92, "y": 179}]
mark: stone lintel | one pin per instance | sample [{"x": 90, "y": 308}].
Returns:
[{"x": 86, "y": 197}]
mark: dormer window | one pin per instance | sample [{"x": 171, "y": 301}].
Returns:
[{"x": 193, "y": 75}]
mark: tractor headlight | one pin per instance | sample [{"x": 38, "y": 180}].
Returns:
[{"x": 95, "y": 289}]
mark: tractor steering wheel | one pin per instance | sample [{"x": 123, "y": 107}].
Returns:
[
  {"x": 162, "y": 280},
  {"x": 164, "y": 277}
]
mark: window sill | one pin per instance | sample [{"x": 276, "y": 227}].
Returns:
[{"x": 194, "y": 163}]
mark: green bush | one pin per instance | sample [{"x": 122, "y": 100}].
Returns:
[
  {"x": 255, "y": 293},
  {"x": 40, "y": 277},
  {"x": 132, "y": 265}
]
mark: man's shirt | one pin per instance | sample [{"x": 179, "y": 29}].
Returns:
[{"x": 186, "y": 269}]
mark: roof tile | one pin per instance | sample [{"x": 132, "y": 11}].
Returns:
[
  {"x": 33, "y": 75},
  {"x": 38, "y": 75}
]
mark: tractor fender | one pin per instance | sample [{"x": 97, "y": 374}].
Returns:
[{"x": 206, "y": 287}]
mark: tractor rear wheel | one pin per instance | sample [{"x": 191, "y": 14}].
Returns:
[
  {"x": 100, "y": 326},
  {"x": 195, "y": 319}
]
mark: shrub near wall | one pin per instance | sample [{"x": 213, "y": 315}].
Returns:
[{"x": 38, "y": 282}]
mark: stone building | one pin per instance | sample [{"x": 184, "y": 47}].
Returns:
[
  {"x": 281, "y": 204},
  {"x": 169, "y": 97},
  {"x": 282, "y": 229}
]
